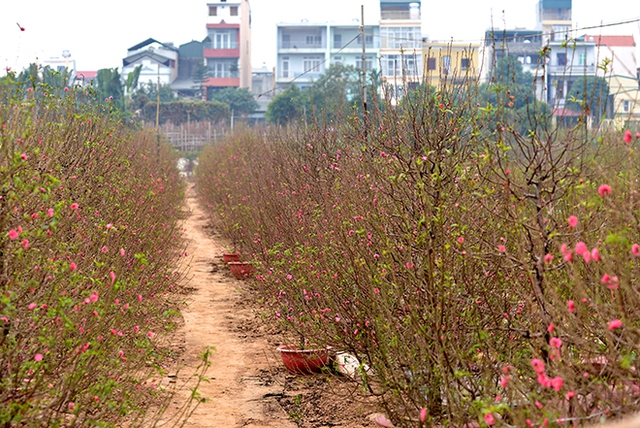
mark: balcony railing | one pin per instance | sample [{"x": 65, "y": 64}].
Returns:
[
  {"x": 398, "y": 14},
  {"x": 230, "y": 45},
  {"x": 301, "y": 45}
]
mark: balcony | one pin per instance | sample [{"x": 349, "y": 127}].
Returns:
[
  {"x": 228, "y": 45},
  {"x": 568, "y": 70},
  {"x": 399, "y": 14}
]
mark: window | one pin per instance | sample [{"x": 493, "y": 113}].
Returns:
[
  {"x": 337, "y": 60},
  {"x": 314, "y": 40},
  {"x": 285, "y": 66},
  {"x": 465, "y": 64},
  {"x": 223, "y": 67},
  {"x": 368, "y": 39},
  {"x": 286, "y": 41},
  {"x": 582, "y": 59},
  {"x": 368, "y": 63},
  {"x": 560, "y": 89},
  {"x": 234, "y": 10},
  {"x": 626, "y": 106},
  {"x": 222, "y": 40},
  {"x": 213, "y": 11},
  {"x": 312, "y": 64},
  {"x": 431, "y": 64},
  {"x": 401, "y": 37},
  {"x": 446, "y": 64},
  {"x": 337, "y": 41},
  {"x": 562, "y": 58}
]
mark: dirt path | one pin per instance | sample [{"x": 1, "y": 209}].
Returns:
[{"x": 243, "y": 380}]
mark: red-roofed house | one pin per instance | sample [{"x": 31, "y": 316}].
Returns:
[
  {"x": 621, "y": 50},
  {"x": 85, "y": 78}
]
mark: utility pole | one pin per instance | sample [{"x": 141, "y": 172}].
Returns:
[
  {"x": 364, "y": 72},
  {"x": 158, "y": 114}
]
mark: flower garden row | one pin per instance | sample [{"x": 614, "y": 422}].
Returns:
[
  {"x": 90, "y": 237},
  {"x": 484, "y": 275}
]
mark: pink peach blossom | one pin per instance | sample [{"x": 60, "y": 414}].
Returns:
[
  {"x": 573, "y": 221},
  {"x": 489, "y": 419},
  {"x": 604, "y": 190},
  {"x": 13, "y": 234},
  {"x": 627, "y": 136},
  {"x": 423, "y": 414},
  {"x": 538, "y": 365},
  {"x": 615, "y": 324}
]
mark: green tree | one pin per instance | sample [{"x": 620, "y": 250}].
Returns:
[
  {"x": 509, "y": 87},
  {"x": 199, "y": 75},
  {"x": 240, "y": 100},
  {"x": 334, "y": 91},
  {"x": 291, "y": 104},
  {"x": 109, "y": 85},
  {"x": 589, "y": 93}
]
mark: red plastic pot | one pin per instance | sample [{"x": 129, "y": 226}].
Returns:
[
  {"x": 241, "y": 270},
  {"x": 304, "y": 361},
  {"x": 230, "y": 257}
]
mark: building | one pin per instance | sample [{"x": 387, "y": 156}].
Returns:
[
  {"x": 227, "y": 47},
  {"x": 400, "y": 44},
  {"x": 190, "y": 64},
  {"x": 306, "y": 49},
  {"x": 618, "y": 65},
  {"x": 450, "y": 63},
  {"x": 159, "y": 62},
  {"x": 523, "y": 44},
  {"x": 553, "y": 18}
]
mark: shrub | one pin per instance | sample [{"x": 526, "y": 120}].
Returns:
[
  {"x": 485, "y": 271},
  {"x": 89, "y": 239}
]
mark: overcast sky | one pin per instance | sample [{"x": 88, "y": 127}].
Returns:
[{"x": 98, "y": 33}]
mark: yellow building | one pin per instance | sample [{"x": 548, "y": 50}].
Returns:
[
  {"x": 624, "y": 99},
  {"x": 447, "y": 63}
]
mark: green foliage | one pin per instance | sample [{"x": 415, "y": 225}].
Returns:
[
  {"x": 334, "y": 91},
  {"x": 288, "y": 106},
  {"x": 109, "y": 86},
  {"x": 240, "y": 100},
  {"x": 590, "y": 94},
  {"x": 199, "y": 76},
  {"x": 179, "y": 112}
]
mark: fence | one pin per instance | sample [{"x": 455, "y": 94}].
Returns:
[{"x": 192, "y": 136}]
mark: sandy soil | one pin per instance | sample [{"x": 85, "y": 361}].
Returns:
[{"x": 246, "y": 386}]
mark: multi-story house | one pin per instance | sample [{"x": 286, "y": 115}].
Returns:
[
  {"x": 447, "y": 63},
  {"x": 400, "y": 44},
  {"x": 159, "y": 62},
  {"x": 519, "y": 43},
  {"x": 553, "y": 18},
  {"x": 306, "y": 49},
  {"x": 227, "y": 47}
]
